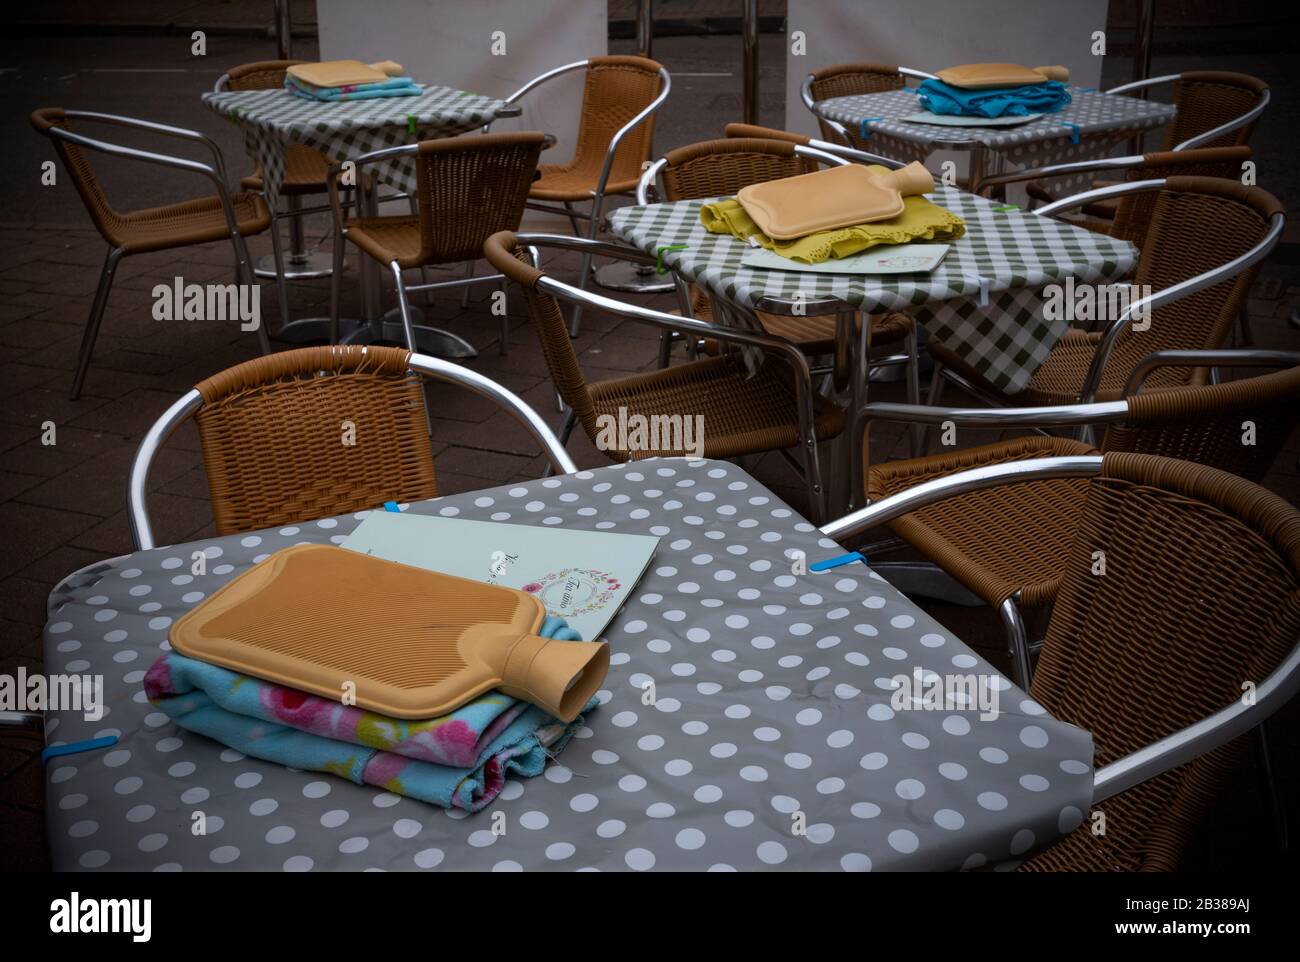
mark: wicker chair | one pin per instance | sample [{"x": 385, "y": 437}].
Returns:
[
  {"x": 1201, "y": 594},
  {"x": 620, "y": 96},
  {"x": 1216, "y": 108},
  {"x": 848, "y": 79},
  {"x": 314, "y": 432},
  {"x": 1128, "y": 217},
  {"x": 774, "y": 409},
  {"x": 467, "y": 188},
  {"x": 1198, "y": 288},
  {"x": 1008, "y": 545},
  {"x": 222, "y": 216}
]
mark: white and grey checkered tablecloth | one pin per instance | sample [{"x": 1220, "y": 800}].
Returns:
[
  {"x": 1091, "y": 126},
  {"x": 273, "y": 119},
  {"x": 984, "y": 301}
]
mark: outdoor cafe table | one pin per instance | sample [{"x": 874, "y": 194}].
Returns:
[
  {"x": 985, "y": 300},
  {"x": 273, "y": 120},
  {"x": 772, "y": 699},
  {"x": 1090, "y": 126}
]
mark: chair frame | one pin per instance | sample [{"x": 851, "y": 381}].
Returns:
[
  {"x": 598, "y": 194},
  {"x": 927, "y": 573},
  {"x": 826, "y": 146},
  {"x": 215, "y": 172},
  {"x": 431, "y": 367},
  {"x": 1092, "y": 380},
  {"x": 808, "y": 462},
  {"x": 1160, "y": 756},
  {"x": 1096, "y": 165},
  {"x": 805, "y": 95},
  {"x": 1249, "y": 117},
  {"x": 403, "y": 289}
]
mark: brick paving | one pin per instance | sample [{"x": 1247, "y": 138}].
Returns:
[{"x": 63, "y": 505}]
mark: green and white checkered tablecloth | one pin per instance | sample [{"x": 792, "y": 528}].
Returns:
[
  {"x": 273, "y": 119},
  {"x": 984, "y": 301}
]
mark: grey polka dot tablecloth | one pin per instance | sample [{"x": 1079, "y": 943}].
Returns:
[
  {"x": 273, "y": 119},
  {"x": 1090, "y": 126},
  {"x": 770, "y": 744},
  {"x": 984, "y": 301}
]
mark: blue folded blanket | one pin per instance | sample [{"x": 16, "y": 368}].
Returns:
[
  {"x": 1044, "y": 98},
  {"x": 461, "y": 760},
  {"x": 392, "y": 87}
]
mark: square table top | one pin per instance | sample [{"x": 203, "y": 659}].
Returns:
[
  {"x": 773, "y": 695},
  {"x": 1089, "y": 112},
  {"x": 1001, "y": 250}
]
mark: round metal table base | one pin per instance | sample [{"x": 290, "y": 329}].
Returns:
[
  {"x": 633, "y": 278},
  {"x": 304, "y": 267},
  {"x": 428, "y": 340}
]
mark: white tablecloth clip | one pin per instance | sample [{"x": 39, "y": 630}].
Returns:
[{"x": 984, "y": 288}]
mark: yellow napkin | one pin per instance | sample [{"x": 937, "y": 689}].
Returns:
[{"x": 920, "y": 220}]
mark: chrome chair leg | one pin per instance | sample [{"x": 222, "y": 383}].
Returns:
[
  {"x": 504, "y": 346},
  {"x": 1270, "y": 789},
  {"x": 281, "y": 285},
  {"x": 336, "y": 285},
  {"x": 244, "y": 264},
  {"x": 408, "y": 326},
  {"x": 917, "y": 438},
  {"x": 566, "y": 431},
  {"x": 464, "y": 294},
  {"x": 932, "y": 397},
  {"x": 1017, "y": 641},
  {"x": 93, "y": 321}
]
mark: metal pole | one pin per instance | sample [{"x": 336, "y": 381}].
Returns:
[
  {"x": 1146, "y": 21},
  {"x": 283, "y": 30},
  {"x": 645, "y": 28},
  {"x": 749, "y": 35}
]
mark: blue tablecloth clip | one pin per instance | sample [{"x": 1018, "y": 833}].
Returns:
[
  {"x": 837, "y": 562},
  {"x": 73, "y": 748},
  {"x": 865, "y": 126},
  {"x": 1004, "y": 208},
  {"x": 392, "y": 506},
  {"x": 1074, "y": 131}
]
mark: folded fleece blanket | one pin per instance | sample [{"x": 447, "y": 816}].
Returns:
[
  {"x": 392, "y": 87},
  {"x": 920, "y": 221},
  {"x": 1044, "y": 98},
  {"x": 461, "y": 760}
]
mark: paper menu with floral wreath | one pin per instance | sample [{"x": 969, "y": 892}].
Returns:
[{"x": 583, "y": 577}]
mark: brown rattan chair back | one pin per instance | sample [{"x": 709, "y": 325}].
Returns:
[
  {"x": 1237, "y": 426},
  {"x": 109, "y": 222},
  {"x": 313, "y": 432},
  {"x": 720, "y": 168},
  {"x": 765, "y": 133},
  {"x": 1210, "y": 98},
  {"x": 470, "y": 187},
  {"x": 1200, "y": 595},
  {"x": 847, "y": 79},
  {"x": 1134, "y": 212},
  {"x": 1198, "y": 223},
  {"x": 503, "y": 252},
  {"x": 615, "y": 91},
  {"x": 263, "y": 75}
]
